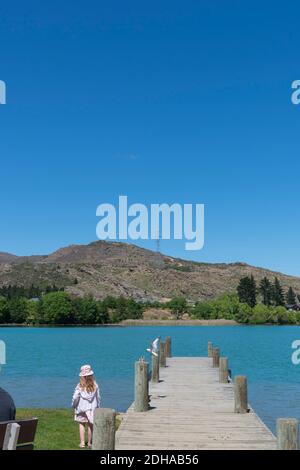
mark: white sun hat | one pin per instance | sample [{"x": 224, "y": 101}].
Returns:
[{"x": 85, "y": 371}]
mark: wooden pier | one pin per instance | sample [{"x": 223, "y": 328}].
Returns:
[
  {"x": 190, "y": 403},
  {"x": 191, "y": 409}
]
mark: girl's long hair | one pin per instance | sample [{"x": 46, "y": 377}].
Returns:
[{"x": 88, "y": 383}]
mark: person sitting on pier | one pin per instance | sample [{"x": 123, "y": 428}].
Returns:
[{"x": 85, "y": 400}]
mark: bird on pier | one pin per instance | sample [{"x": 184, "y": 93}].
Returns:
[{"x": 154, "y": 347}]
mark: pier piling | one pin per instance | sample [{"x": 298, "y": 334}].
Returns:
[
  {"x": 168, "y": 346},
  {"x": 155, "y": 369},
  {"x": 141, "y": 388},
  {"x": 104, "y": 429},
  {"x": 216, "y": 357},
  {"x": 223, "y": 370},
  {"x": 287, "y": 434},
  {"x": 240, "y": 394},
  {"x": 162, "y": 355}
]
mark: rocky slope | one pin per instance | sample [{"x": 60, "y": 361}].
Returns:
[{"x": 103, "y": 268}]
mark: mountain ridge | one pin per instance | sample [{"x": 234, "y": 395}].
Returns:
[{"x": 114, "y": 268}]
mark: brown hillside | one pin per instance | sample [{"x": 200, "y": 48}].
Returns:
[{"x": 103, "y": 268}]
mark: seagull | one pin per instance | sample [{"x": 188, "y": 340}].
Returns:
[{"x": 154, "y": 347}]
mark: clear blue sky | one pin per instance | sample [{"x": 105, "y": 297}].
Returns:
[{"x": 164, "y": 101}]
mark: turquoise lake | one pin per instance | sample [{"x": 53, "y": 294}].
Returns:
[{"x": 43, "y": 363}]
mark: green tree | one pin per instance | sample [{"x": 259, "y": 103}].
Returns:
[
  {"x": 292, "y": 317},
  {"x": 32, "y": 310},
  {"x": 265, "y": 289},
  {"x": 85, "y": 310},
  {"x": 102, "y": 313},
  {"x": 226, "y": 306},
  {"x": 277, "y": 293},
  {"x": 32, "y": 292},
  {"x": 17, "y": 310},
  {"x": 291, "y": 297},
  {"x": 56, "y": 308},
  {"x": 202, "y": 310},
  {"x": 4, "y": 311},
  {"x": 247, "y": 291},
  {"x": 260, "y": 314},
  {"x": 109, "y": 302},
  {"x": 121, "y": 309},
  {"x": 178, "y": 306},
  {"x": 282, "y": 315},
  {"x": 244, "y": 314},
  {"x": 134, "y": 309}
]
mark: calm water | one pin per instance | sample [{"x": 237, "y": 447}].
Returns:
[{"x": 42, "y": 363}]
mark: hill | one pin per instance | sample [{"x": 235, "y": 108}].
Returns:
[{"x": 105, "y": 268}]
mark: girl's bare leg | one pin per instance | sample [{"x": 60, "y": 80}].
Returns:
[
  {"x": 82, "y": 434},
  {"x": 90, "y": 434}
]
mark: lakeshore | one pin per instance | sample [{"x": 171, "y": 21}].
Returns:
[
  {"x": 42, "y": 363},
  {"x": 128, "y": 323},
  {"x": 157, "y": 322}
]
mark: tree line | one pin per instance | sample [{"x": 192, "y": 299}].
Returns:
[
  {"x": 255, "y": 304},
  {"x": 228, "y": 306},
  {"x": 59, "y": 307},
  {"x": 265, "y": 303},
  {"x": 16, "y": 292},
  {"x": 269, "y": 293}
]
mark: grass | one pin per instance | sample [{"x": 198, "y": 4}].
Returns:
[{"x": 56, "y": 428}]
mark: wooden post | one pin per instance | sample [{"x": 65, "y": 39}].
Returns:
[
  {"x": 11, "y": 436},
  {"x": 168, "y": 347},
  {"x": 287, "y": 434},
  {"x": 216, "y": 357},
  {"x": 141, "y": 390},
  {"x": 240, "y": 394},
  {"x": 104, "y": 429},
  {"x": 155, "y": 369},
  {"x": 223, "y": 370},
  {"x": 209, "y": 349},
  {"x": 162, "y": 355}
]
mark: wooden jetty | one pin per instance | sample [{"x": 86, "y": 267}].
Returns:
[
  {"x": 192, "y": 404},
  {"x": 190, "y": 409}
]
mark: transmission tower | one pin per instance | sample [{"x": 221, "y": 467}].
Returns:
[{"x": 158, "y": 245}]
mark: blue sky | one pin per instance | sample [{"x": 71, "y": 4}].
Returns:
[{"x": 163, "y": 101}]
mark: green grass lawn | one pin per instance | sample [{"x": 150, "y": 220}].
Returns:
[{"x": 56, "y": 428}]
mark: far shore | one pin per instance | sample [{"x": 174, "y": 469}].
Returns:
[
  {"x": 216, "y": 322},
  {"x": 127, "y": 323}
]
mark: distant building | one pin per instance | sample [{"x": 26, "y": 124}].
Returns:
[{"x": 293, "y": 307}]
